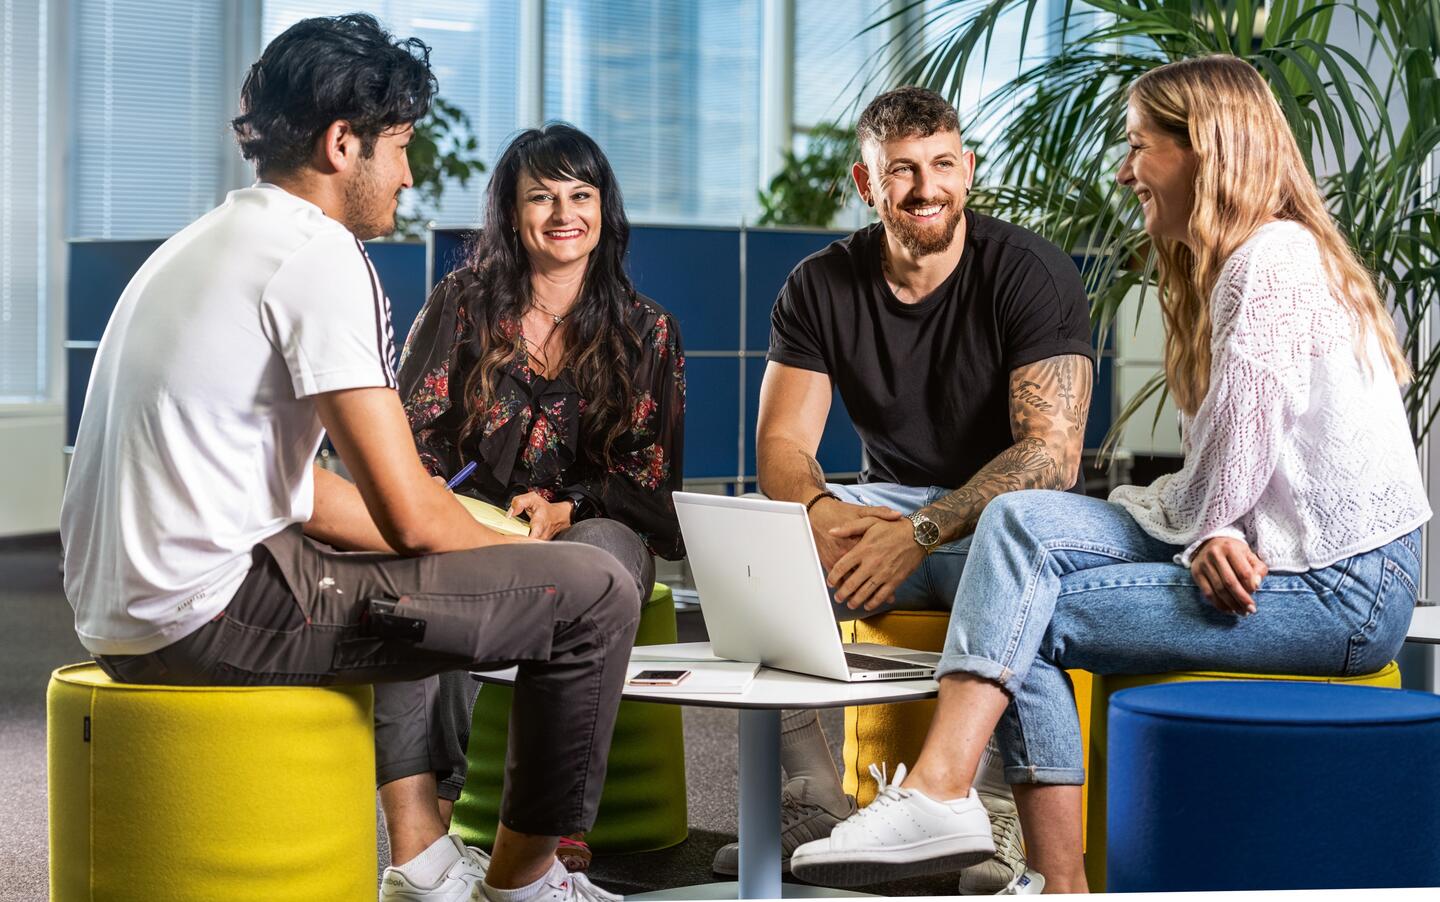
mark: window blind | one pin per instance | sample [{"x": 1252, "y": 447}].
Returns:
[
  {"x": 149, "y": 116},
  {"x": 671, "y": 91},
  {"x": 833, "y": 55},
  {"x": 23, "y": 222}
]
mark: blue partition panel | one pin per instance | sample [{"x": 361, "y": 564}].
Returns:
[
  {"x": 695, "y": 274},
  {"x": 712, "y": 417},
  {"x": 1102, "y": 404},
  {"x": 770, "y": 255},
  {"x": 448, "y": 250},
  {"x": 692, "y": 272},
  {"x": 839, "y": 450},
  {"x": 78, "y": 362},
  {"x": 401, "y": 267},
  {"x": 99, "y": 272}
]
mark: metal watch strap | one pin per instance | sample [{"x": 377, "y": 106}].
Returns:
[{"x": 916, "y": 519}]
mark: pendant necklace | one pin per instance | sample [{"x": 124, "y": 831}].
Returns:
[{"x": 560, "y": 318}]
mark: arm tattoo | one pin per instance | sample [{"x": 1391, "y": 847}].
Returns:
[
  {"x": 816, "y": 473},
  {"x": 1049, "y": 401}
]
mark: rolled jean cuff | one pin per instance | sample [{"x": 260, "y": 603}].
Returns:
[
  {"x": 1050, "y": 776},
  {"x": 391, "y": 771},
  {"x": 975, "y": 665}
]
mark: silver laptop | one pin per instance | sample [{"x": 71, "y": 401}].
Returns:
[{"x": 763, "y": 593}]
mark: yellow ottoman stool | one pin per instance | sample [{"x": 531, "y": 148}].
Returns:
[
  {"x": 209, "y": 793},
  {"x": 894, "y": 733},
  {"x": 1096, "y": 771}
]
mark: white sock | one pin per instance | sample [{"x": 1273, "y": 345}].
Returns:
[
  {"x": 804, "y": 753},
  {"x": 521, "y": 893},
  {"x": 429, "y": 866}
]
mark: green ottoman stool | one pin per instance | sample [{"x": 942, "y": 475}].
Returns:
[{"x": 643, "y": 805}]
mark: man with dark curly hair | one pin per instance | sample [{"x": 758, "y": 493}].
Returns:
[{"x": 204, "y": 547}]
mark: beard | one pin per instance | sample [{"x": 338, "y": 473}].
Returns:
[
  {"x": 368, "y": 209},
  {"x": 922, "y": 239}
]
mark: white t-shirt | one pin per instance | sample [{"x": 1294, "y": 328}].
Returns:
[{"x": 200, "y": 426}]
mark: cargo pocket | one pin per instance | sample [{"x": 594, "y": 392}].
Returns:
[{"x": 506, "y": 626}]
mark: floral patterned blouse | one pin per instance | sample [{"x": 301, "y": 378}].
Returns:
[{"x": 531, "y": 433}]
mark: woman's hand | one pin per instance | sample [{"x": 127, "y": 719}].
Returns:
[
  {"x": 546, "y": 518},
  {"x": 1227, "y": 571}
]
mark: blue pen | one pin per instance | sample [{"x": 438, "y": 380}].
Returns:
[{"x": 463, "y": 475}]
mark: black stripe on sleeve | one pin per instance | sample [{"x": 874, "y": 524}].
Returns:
[{"x": 384, "y": 328}]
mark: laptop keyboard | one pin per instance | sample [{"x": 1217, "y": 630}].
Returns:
[{"x": 857, "y": 661}]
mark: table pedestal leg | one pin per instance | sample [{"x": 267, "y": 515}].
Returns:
[{"x": 759, "y": 804}]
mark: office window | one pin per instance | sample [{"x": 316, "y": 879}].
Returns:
[
  {"x": 23, "y": 226},
  {"x": 671, "y": 91},
  {"x": 150, "y": 137},
  {"x": 474, "y": 54},
  {"x": 834, "y": 54},
  {"x": 1006, "y": 57}
]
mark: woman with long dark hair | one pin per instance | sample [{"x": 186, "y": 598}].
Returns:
[{"x": 538, "y": 361}]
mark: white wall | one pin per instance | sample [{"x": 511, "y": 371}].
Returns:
[
  {"x": 31, "y": 436},
  {"x": 1139, "y": 355},
  {"x": 31, "y": 472}
]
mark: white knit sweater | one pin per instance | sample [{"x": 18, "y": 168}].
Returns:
[{"x": 1298, "y": 448}]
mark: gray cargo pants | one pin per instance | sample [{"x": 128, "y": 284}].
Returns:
[
  {"x": 458, "y": 689},
  {"x": 564, "y": 613}
]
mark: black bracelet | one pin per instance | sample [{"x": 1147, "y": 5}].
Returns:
[{"x": 816, "y": 500}]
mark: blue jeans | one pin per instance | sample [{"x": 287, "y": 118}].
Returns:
[
  {"x": 930, "y": 588},
  {"x": 1056, "y": 581}
]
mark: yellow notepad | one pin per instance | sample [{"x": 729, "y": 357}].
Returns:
[{"x": 487, "y": 514}]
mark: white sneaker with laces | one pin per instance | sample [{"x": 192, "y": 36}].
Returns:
[
  {"x": 1026, "y": 883},
  {"x": 803, "y": 817},
  {"x": 902, "y": 833},
  {"x": 560, "y": 885},
  {"x": 992, "y": 877},
  {"x": 460, "y": 883}
]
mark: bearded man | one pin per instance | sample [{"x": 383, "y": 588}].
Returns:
[{"x": 960, "y": 346}]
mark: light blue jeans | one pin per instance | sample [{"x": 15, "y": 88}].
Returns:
[
  {"x": 930, "y": 588},
  {"x": 1056, "y": 581}
]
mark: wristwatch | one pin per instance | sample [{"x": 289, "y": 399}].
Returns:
[
  {"x": 582, "y": 507},
  {"x": 927, "y": 531}
]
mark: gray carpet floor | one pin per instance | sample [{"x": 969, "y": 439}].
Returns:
[{"x": 36, "y": 636}]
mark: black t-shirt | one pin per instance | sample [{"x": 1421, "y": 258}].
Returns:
[{"x": 926, "y": 384}]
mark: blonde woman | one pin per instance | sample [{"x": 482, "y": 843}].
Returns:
[{"x": 1287, "y": 543}]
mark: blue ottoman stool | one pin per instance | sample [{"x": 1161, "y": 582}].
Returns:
[{"x": 1273, "y": 785}]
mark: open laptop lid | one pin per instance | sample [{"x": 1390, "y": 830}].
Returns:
[{"x": 762, "y": 590}]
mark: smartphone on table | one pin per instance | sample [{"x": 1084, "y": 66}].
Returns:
[{"x": 659, "y": 678}]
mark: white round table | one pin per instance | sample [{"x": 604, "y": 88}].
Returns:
[
  {"x": 1425, "y": 625},
  {"x": 759, "y": 705}
]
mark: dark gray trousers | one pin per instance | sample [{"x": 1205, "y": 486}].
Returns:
[
  {"x": 458, "y": 690},
  {"x": 564, "y": 613}
]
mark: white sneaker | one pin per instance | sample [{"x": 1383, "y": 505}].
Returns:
[
  {"x": 561, "y": 885},
  {"x": 1027, "y": 883},
  {"x": 902, "y": 833},
  {"x": 461, "y": 883},
  {"x": 991, "y": 877}
]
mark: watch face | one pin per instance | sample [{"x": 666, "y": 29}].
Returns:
[{"x": 927, "y": 533}]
